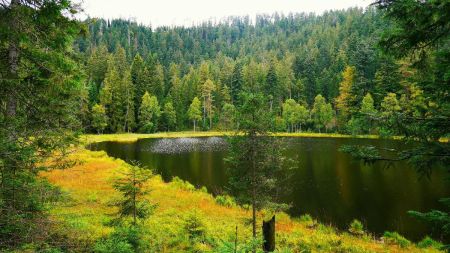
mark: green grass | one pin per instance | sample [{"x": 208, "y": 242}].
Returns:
[{"x": 85, "y": 218}]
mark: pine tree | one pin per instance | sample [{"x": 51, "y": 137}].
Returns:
[
  {"x": 40, "y": 97},
  {"x": 128, "y": 90},
  {"x": 271, "y": 85},
  {"x": 228, "y": 116},
  {"x": 140, "y": 77},
  {"x": 345, "y": 100},
  {"x": 236, "y": 83},
  {"x": 255, "y": 160},
  {"x": 194, "y": 112}
]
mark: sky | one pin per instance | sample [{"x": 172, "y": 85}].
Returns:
[{"x": 189, "y": 12}]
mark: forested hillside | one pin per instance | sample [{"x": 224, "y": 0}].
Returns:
[{"x": 310, "y": 67}]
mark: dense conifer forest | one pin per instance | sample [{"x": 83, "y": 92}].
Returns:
[
  {"x": 382, "y": 73},
  {"x": 321, "y": 72}
]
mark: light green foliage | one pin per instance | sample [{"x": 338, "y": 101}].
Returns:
[
  {"x": 169, "y": 116},
  {"x": 207, "y": 95},
  {"x": 99, "y": 118},
  {"x": 194, "y": 112},
  {"x": 367, "y": 106},
  {"x": 228, "y": 116},
  {"x": 322, "y": 113},
  {"x": 181, "y": 184},
  {"x": 396, "y": 238},
  {"x": 149, "y": 113},
  {"x": 345, "y": 100},
  {"x": 225, "y": 200},
  {"x": 295, "y": 115},
  {"x": 390, "y": 105},
  {"x": 356, "y": 227},
  {"x": 194, "y": 226}
]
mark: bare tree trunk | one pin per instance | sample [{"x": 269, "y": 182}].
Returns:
[
  {"x": 236, "y": 240},
  {"x": 269, "y": 235}
]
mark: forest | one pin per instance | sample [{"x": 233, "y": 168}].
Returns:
[
  {"x": 75, "y": 91},
  {"x": 321, "y": 72}
]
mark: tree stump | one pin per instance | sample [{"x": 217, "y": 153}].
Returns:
[{"x": 269, "y": 235}]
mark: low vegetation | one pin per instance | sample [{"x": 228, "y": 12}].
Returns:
[{"x": 185, "y": 218}]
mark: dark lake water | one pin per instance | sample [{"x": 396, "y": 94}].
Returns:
[{"x": 328, "y": 184}]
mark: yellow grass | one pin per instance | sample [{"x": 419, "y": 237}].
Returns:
[
  {"x": 89, "y": 186},
  {"x": 131, "y": 137}
]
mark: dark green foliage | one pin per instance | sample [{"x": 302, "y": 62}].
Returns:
[
  {"x": 255, "y": 160},
  {"x": 41, "y": 93},
  {"x": 194, "y": 227},
  {"x": 427, "y": 242},
  {"x": 133, "y": 203},
  {"x": 438, "y": 219},
  {"x": 296, "y": 56},
  {"x": 122, "y": 240}
]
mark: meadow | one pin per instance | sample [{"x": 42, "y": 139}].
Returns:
[{"x": 88, "y": 191}]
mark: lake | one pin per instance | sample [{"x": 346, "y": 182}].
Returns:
[{"x": 326, "y": 183}]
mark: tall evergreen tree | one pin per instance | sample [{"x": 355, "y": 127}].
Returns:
[
  {"x": 194, "y": 112},
  {"x": 40, "y": 93},
  {"x": 255, "y": 160}
]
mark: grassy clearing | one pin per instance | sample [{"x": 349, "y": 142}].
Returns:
[{"x": 88, "y": 185}]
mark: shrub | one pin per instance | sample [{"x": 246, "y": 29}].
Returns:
[
  {"x": 427, "y": 242},
  {"x": 181, "y": 184},
  {"x": 113, "y": 245},
  {"x": 225, "y": 200},
  {"x": 356, "y": 227},
  {"x": 306, "y": 218},
  {"x": 396, "y": 238},
  {"x": 194, "y": 226}
]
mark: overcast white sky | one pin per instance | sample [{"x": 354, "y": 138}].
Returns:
[{"x": 187, "y": 12}]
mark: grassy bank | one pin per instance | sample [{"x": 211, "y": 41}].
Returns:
[
  {"x": 87, "y": 210},
  {"x": 130, "y": 137}
]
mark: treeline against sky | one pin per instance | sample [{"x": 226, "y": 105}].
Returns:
[{"x": 317, "y": 72}]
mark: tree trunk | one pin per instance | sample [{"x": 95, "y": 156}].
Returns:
[
  {"x": 13, "y": 58},
  {"x": 269, "y": 235},
  {"x": 236, "y": 241}
]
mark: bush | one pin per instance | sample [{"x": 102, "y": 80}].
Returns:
[
  {"x": 181, "y": 184},
  {"x": 122, "y": 240},
  {"x": 194, "y": 226},
  {"x": 306, "y": 218},
  {"x": 427, "y": 242},
  {"x": 113, "y": 245},
  {"x": 396, "y": 238},
  {"x": 356, "y": 227},
  {"x": 225, "y": 200}
]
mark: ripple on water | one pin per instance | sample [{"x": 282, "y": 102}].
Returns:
[{"x": 184, "y": 145}]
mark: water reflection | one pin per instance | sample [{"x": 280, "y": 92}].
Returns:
[{"x": 327, "y": 183}]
